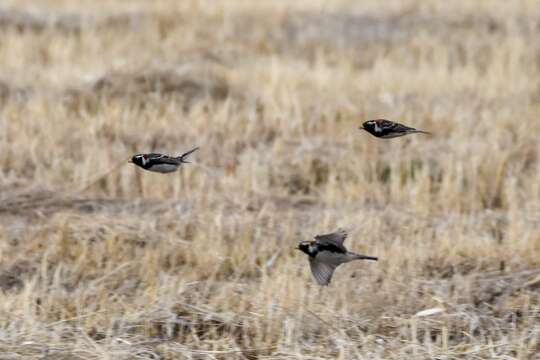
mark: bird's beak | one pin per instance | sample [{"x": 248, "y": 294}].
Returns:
[
  {"x": 362, "y": 128},
  {"x": 297, "y": 248},
  {"x": 130, "y": 161}
]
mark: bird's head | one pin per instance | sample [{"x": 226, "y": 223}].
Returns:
[
  {"x": 307, "y": 247},
  {"x": 139, "y": 159},
  {"x": 369, "y": 125}
]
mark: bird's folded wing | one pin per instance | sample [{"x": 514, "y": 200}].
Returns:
[
  {"x": 322, "y": 272},
  {"x": 401, "y": 128},
  {"x": 388, "y": 125},
  {"x": 154, "y": 156},
  {"x": 164, "y": 159}
]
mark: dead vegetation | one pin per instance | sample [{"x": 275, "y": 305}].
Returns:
[{"x": 99, "y": 259}]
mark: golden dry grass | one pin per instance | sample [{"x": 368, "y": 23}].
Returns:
[{"x": 100, "y": 260}]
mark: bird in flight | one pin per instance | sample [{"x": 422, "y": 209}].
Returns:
[
  {"x": 386, "y": 129},
  {"x": 326, "y": 253},
  {"x": 159, "y": 162}
]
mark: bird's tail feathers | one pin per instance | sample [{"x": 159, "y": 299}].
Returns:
[
  {"x": 186, "y": 154},
  {"x": 365, "y": 257},
  {"x": 421, "y": 132}
]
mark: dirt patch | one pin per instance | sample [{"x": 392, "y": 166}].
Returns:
[
  {"x": 22, "y": 21},
  {"x": 69, "y": 23},
  {"x": 12, "y": 278},
  {"x": 346, "y": 30},
  {"x": 189, "y": 85},
  {"x": 495, "y": 288},
  {"x": 302, "y": 31},
  {"x": 11, "y": 92},
  {"x": 44, "y": 203}
]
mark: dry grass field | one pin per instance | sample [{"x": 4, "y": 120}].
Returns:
[{"x": 102, "y": 260}]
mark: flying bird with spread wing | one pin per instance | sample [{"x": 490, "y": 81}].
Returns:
[{"x": 326, "y": 253}]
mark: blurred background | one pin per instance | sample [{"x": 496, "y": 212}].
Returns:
[{"x": 99, "y": 258}]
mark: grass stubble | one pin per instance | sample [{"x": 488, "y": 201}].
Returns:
[{"x": 100, "y": 260}]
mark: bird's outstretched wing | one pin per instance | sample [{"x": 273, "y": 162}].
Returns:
[
  {"x": 322, "y": 272},
  {"x": 334, "y": 241}
]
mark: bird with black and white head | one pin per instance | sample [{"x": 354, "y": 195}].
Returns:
[
  {"x": 326, "y": 252},
  {"x": 160, "y": 163},
  {"x": 386, "y": 129}
]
